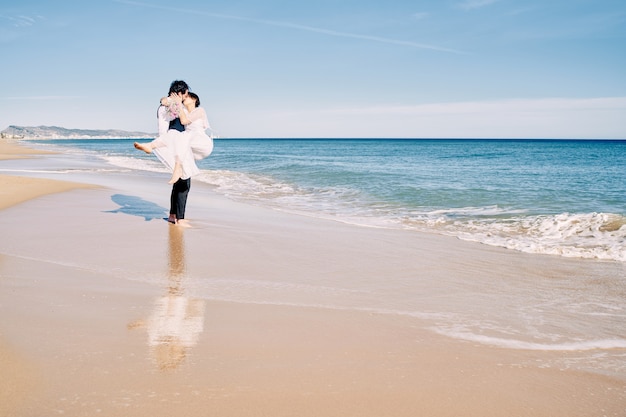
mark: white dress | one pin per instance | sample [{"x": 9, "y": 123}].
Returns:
[{"x": 191, "y": 145}]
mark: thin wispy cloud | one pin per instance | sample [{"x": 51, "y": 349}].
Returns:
[
  {"x": 475, "y": 4},
  {"x": 21, "y": 20},
  {"x": 521, "y": 11},
  {"x": 12, "y": 27},
  {"x": 421, "y": 15},
  {"x": 296, "y": 26},
  {"x": 40, "y": 98}
]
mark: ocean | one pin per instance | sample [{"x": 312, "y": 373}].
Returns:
[
  {"x": 560, "y": 203},
  {"x": 554, "y": 197}
]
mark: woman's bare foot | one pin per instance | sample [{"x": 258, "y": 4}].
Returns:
[
  {"x": 143, "y": 147},
  {"x": 178, "y": 172}
]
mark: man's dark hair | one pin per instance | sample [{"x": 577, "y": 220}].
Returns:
[{"x": 178, "y": 86}]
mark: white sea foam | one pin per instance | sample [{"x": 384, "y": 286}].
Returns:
[
  {"x": 135, "y": 163},
  {"x": 63, "y": 171},
  {"x": 582, "y": 345},
  {"x": 473, "y": 211},
  {"x": 239, "y": 184},
  {"x": 587, "y": 235}
]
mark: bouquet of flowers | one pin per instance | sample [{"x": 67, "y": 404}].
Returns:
[{"x": 173, "y": 109}]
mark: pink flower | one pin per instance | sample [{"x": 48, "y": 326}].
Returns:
[{"x": 173, "y": 110}]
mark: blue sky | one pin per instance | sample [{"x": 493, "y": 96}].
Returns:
[{"x": 277, "y": 68}]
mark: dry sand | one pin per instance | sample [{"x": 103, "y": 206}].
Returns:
[{"x": 74, "y": 340}]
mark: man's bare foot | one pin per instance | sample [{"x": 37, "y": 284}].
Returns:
[
  {"x": 178, "y": 172},
  {"x": 172, "y": 218},
  {"x": 183, "y": 223},
  {"x": 143, "y": 147}
]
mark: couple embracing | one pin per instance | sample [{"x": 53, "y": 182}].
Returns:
[{"x": 182, "y": 140}]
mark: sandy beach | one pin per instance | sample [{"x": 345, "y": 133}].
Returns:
[{"x": 106, "y": 310}]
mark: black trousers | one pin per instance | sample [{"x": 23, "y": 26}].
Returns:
[{"x": 178, "y": 199}]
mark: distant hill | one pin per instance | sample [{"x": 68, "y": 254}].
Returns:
[{"x": 55, "y": 132}]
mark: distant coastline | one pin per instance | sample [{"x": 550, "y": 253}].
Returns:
[{"x": 55, "y": 132}]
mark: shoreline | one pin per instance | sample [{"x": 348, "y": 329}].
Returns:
[
  {"x": 18, "y": 189},
  {"x": 82, "y": 301}
]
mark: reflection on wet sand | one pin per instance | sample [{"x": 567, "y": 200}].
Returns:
[{"x": 176, "y": 320}]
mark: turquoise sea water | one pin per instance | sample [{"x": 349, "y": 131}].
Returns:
[{"x": 556, "y": 197}]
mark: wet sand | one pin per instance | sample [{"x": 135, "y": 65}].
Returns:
[
  {"x": 17, "y": 189},
  {"x": 99, "y": 317}
]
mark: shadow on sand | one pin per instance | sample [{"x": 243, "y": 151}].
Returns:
[{"x": 136, "y": 206}]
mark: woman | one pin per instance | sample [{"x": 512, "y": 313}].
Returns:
[{"x": 178, "y": 151}]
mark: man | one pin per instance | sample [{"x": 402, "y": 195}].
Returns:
[
  {"x": 179, "y": 90},
  {"x": 180, "y": 189}
]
